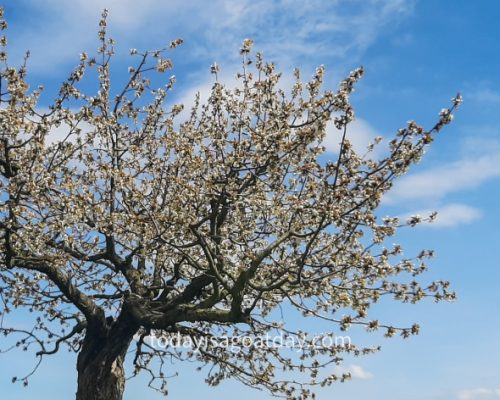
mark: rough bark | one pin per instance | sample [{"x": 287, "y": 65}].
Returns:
[{"x": 101, "y": 374}]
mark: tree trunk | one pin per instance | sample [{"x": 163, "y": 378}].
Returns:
[{"x": 101, "y": 375}]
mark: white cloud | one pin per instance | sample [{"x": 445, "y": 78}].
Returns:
[
  {"x": 289, "y": 31},
  {"x": 448, "y": 216},
  {"x": 359, "y": 132},
  {"x": 438, "y": 182},
  {"x": 60, "y": 133},
  {"x": 356, "y": 371},
  {"x": 485, "y": 140},
  {"x": 479, "y": 393},
  {"x": 485, "y": 95},
  {"x": 57, "y": 30}
]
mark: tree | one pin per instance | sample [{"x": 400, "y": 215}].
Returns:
[{"x": 134, "y": 227}]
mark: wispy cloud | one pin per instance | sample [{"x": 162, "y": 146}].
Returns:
[
  {"x": 448, "y": 216},
  {"x": 438, "y": 182},
  {"x": 359, "y": 132},
  {"x": 485, "y": 95},
  {"x": 356, "y": 371},
  {"x": 71, "y": 27},
  {"x": 479, "y": 393},
  {"x": 332, "y": 31}
]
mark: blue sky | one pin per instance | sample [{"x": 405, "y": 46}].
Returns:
[{"x": 417, "y": 55}]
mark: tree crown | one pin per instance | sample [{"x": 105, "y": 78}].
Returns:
[{"x": 204, "y": 227}]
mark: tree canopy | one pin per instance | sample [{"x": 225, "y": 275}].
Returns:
[{"x": 137, "y": 225}]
